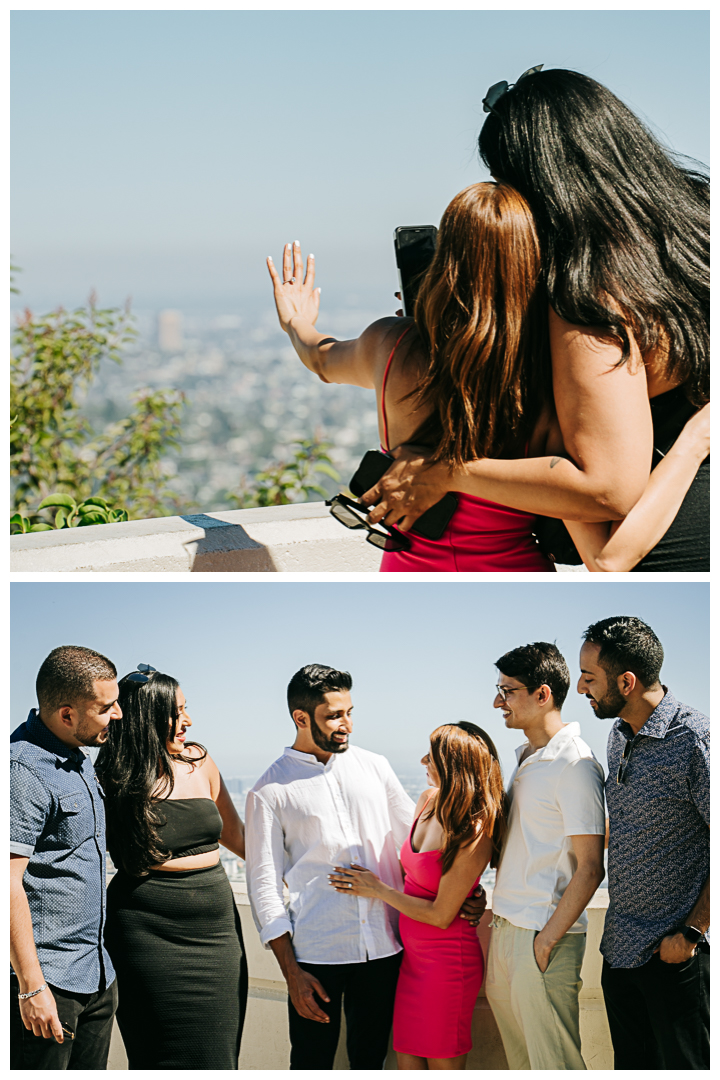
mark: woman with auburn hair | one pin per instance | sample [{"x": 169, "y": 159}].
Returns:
[
  {"x": 458, "y": 829},
  {"x": 466, "y": 372},
  {"x": 173, "y": 931},
  {"x": 624, "y": 232},
  {"x": 471, "y": 378}
]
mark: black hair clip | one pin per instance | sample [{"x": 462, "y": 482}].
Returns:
[{"x": 499, "y": 89}]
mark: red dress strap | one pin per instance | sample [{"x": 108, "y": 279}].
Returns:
[
  {"x": 412, "y": 831},
  {"x": 386, "y": 443}
]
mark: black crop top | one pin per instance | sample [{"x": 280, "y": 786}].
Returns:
[
  {"x": 190, "y": 827},
  {"x": 685, "y": 547}
]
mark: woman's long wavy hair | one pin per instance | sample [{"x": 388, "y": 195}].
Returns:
[
  {"x": 136, "y": 771},
  {"x": 481, "y": 313},
  {"x": 471, "y": 798},
  {"x": 624, "y": 225}
]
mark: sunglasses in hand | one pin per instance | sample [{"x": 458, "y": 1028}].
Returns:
[{"x": 353, "y": 515}]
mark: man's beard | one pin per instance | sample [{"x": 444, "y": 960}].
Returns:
[
  {"x": 325, "y": 742},
  {"x": 609, "y": 706},
  {"x": 86, "y": 737}
]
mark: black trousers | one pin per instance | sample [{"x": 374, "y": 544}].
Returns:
[
  {"x": 659, "y": 1013},
  {"x": 368, "y": 993},
  {"x": 90, "y": 1016}
]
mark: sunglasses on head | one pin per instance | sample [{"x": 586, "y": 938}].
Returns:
[
  {"x": 499, "y": 89},
  {"x": 143, "y": 674},
  {"x": 353, "y": 515}
]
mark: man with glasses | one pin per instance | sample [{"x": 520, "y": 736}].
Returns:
[
  {"x": 551, "y": 865},
  {"x": 62, "y": 983},
  {"x": 656, "y": 968}
]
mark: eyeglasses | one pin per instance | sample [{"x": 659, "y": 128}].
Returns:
[
  {"x": 627, "y": 754},
  {"x": 353, "y": 516},
  {"x": 499, "y": 89},
  {"x": 143, "y": 674},
  {"x": 503, "y": 691}
]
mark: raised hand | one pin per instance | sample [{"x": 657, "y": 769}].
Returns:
[{"x": 295, "y": 296}]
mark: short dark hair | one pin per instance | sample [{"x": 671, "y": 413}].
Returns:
[
  {"x": 68, "y": 675},
  {"x": 536, "y": 665},
  {"x": 309, "y": 685},
  {"x": 627, "y": 644}
]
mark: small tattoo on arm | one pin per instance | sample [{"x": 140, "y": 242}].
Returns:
[{"x": 554, "y": 462}]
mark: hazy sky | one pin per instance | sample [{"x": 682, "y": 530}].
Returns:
[
  {"x": 163, "y": 154},
  {"x": 420, "y": 654}
]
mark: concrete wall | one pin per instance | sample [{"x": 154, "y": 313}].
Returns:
[
  {"x": 265, "y": 1043},
  {"x": 300, "y": 538}
]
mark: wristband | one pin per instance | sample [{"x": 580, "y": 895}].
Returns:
[
  {"x": 690, "y": 933},
  {"x": 33, "y": 992}
]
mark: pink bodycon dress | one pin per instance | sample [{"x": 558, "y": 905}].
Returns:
[
  {"x": 441, "y": 971},
  {"x": 481, "y": 535}
]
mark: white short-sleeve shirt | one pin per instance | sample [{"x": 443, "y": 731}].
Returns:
[{"x": 555, "y": 793}]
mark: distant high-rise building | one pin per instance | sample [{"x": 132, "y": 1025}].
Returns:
[
  {"x": 170, "y": 330},
  {"x": 234, "y": 784}
]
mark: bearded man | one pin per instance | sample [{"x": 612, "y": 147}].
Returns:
[
  {"x": 321, "y": 805},
  {"x": 656, "y": 969}
]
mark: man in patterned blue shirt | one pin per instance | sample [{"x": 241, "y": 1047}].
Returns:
[
  {"x": 62, "y": 985},
  {"x": 656, "y": 969}
]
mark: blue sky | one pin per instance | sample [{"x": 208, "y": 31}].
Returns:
[
  {"x": 420, "y": 654},
  {"x": 163, "y": 154}
]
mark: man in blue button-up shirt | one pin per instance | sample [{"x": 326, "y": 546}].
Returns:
[
  {"x": 63, "y": 991},
  {"x": 656, "y": 971}
]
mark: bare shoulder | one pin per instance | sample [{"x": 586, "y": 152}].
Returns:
[
  {"x": 390, "y": 326},
  {"x": 587, "y": 349},
  {"x": 378, "y": 340},
  {"x": 426, "y": 798},
  {"x": 568, "y": 333},
  {"x": 200, "y": 757}
]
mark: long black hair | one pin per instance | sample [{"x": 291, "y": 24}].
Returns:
[
  {"x": 624, "y": 224},
  {"x": 136, "y": 770}
]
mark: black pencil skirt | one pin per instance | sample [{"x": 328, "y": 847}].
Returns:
[{"x": 176, "y": 944}]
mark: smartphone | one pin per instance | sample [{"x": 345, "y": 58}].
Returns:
[
  {"x": 432, "y": 523},
  {"x": 414, "y": 248}
]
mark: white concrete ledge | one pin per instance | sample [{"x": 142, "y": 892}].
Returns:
[{"x": 298, "y": 538}]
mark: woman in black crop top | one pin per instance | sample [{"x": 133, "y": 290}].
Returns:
[
  {"x": 173, "y": 930},
  {"x": 623, "y": 230}
]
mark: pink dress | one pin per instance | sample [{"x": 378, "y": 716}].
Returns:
[
  {"x": 441, "y": 971},
  {"x": 481, "y": 535}
]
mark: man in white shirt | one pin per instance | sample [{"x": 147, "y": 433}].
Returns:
[
  {"x": 551, "y": 865},
  {"x": 325, "y": 804}
]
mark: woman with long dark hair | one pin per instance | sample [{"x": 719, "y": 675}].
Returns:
[
  {"x": 172, "y": 931},
  {"x": 623, "y": 228},
  {"x": 472, "y": 378},
  {"x": 458, "y": 830}
]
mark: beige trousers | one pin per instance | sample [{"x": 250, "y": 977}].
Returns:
[{"x": 538, "y": 1013}]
